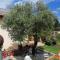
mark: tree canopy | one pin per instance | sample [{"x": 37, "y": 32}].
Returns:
[{"x": 22, "y": 21}]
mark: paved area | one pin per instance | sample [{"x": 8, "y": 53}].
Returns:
[{"x": 39, "y": 56}]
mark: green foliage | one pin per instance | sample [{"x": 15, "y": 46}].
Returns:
[
  {"x": 58, "y": 38},
  {"x": 21, "y": 21},
  {"x": 16, "y": 21}
]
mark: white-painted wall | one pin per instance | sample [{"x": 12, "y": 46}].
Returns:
[{"x": 7, "y": 40}]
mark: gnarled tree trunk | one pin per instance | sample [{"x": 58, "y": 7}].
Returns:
[{"x": 35, "y": 44}]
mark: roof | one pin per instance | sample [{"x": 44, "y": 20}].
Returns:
[{"x": 3, "y": 11}]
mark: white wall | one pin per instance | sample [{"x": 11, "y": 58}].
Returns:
[{"x": 7, "y": 40}]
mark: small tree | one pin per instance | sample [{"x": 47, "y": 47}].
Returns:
[{"x": 22, "y": 21}]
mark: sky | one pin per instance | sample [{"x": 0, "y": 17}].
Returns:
[{"x": 53, "y": 5}]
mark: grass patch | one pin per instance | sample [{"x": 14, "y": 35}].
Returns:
[{"x": 53, "y": 49}]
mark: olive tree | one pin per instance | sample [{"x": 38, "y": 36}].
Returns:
[{"x": 27, "y": 19}]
